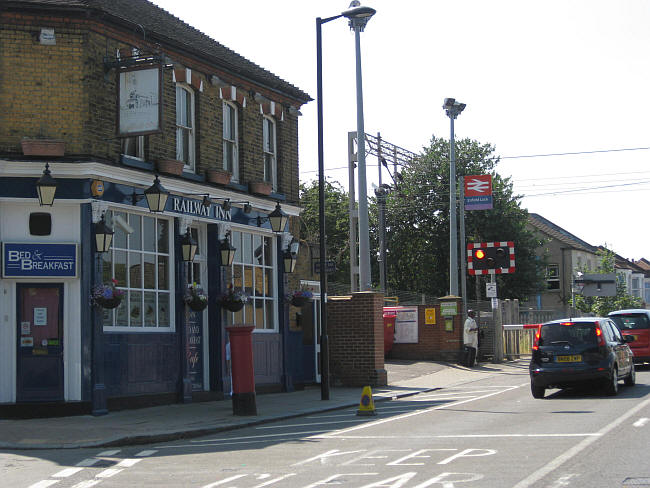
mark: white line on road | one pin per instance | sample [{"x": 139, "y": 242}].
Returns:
[
  {"x": 108, "y": 453},
  {"x": 65, "y": 473},
  {"x": 456, "y": 436},
  {"x": 286, "y": 426},
  {"x": 44, "y": 484},
  {"x": 146, "y": 453},
  {"x": 87, "y": 484},
  {"x": 107, "y": 473},
  {"x": 564, "y": 457},
  {"x": 88, "y": 462},
  {"x": 641, "y": 422},
  {"x": 274, "y": 480},
  {"x": 223, "y": 482}
]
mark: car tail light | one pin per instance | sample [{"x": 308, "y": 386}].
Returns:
[
  {"x": 538, "y": 332},
  {"x": 599, "y": 335}
]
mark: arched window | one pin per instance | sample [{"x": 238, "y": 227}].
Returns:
[
  {"x": 270, "y": 152},
  {"x": 230, "y": 140},
  {"x": 185, "y": 125}
]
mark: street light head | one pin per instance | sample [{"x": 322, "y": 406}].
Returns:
[
  {"x": 449, "y": 102},
  {"x": 358, "y": 15},
  {"x": 453, "y": 107}
]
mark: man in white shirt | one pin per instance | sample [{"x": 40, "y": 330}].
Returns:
[{"x": 470, "y": 338}]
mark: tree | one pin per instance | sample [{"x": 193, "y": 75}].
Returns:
[
  {"x": 336, "y": 225},
  {"x": 417, "y": 217},
  {"x": 601, "y": 306}
]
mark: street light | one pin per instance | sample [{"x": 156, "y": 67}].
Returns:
[
  {"x": 356, "y": 12},
  {"x": 453, "y": 108}
]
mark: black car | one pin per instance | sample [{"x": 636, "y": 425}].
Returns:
[{"x": 569, "y": 352}]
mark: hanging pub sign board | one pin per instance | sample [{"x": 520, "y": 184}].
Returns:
[
  {"x": 139, "y": 105},
  {"x": 478, "y": 192},
  {"x": 22, "y": 260}
]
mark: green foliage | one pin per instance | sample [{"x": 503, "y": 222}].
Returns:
[
  {"x": 601, "y": 306},
  {"x": 337, "y": 225}
]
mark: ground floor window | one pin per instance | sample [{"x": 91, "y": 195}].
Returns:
[
  {"x": 253, "y": 271},
  {"x": 141, "y": 262}
]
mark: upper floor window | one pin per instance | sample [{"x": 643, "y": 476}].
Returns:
[
  {"x": 230, "y": 137},
  {"x": 185, "y": 125},
  {"x": 270, "y": 152},
  {"x": 133, "y": 147},
  {"x": 553, "y": 277}
]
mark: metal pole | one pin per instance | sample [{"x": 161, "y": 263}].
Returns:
[
  {"x": 354, "y": 267},
  {"x": 453, "y": 244},
  {"x": 364, "y": 244},
  {"x": 463, "y": 247},
  {"x": 324, "y": 349},
  {"x": 381, "y": 201}
]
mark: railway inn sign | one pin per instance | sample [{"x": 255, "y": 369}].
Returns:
[{"x": 196, "y": 207}]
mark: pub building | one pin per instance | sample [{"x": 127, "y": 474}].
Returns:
[{"x": 142, "y": 165}]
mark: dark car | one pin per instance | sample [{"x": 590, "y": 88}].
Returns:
[
  {"x": 571, "y": 352},
  {"x": 636, "y": 323}
]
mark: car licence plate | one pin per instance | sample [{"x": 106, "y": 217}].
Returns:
[{"x": 569, "y": 359}]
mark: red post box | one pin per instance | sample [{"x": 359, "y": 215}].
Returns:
[
  {"x": 389, "y": 331},
  {"x": 243, "y": 374}
]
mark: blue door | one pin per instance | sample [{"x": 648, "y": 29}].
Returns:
[{"x": 40, "y": 343}]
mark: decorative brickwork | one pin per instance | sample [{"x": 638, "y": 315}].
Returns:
[{"x": 356, "y": 339}]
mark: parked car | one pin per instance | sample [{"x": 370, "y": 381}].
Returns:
[
  {"x": 636, "y": 323},
  {"x": 570, "y": 352}
]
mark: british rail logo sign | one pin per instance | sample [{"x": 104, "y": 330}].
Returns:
[{"x": 478, "y": 192}]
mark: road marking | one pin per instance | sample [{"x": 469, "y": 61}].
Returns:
[
  {"x": 223, "y": 482},
  {"x": 641, "y": 422},
  {"x": 564, "y": 457},
  {"x": 107, "y": 473},
  {"x": 287, "y": 426},
  {"x": 87, "y": 484},
  {"x": 127, "y": 463},
  {"x": 108, "y": 453},
  {"x": 66, "y": 472},
  {"x": 457, "y": 436},
  {"x": 88, "y": 462},
  {"x": 413, "y": 414},
  {"x": 274, "y": 480},
  {"x": 44, "y": 484},
  {"x": 146, "y": 453}
]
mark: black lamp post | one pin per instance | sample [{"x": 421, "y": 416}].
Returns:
[
  {"x": 227, "y": 251},
  {"x": 46, "y": 187},
  {"x": 188, "y": 246},
  {"x": 103, "y": 236}
]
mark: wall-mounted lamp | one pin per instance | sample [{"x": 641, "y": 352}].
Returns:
[
  {"x": 103, "y": 235},
  {"x": 227, "y": 251},
  {"x": 290, "y": 256},
  {"x": 46, "y": 187},
  {"x": 277, "y": 218},
  {"x": 156, "y": 196},
  {"x": 188, "y": 246}
]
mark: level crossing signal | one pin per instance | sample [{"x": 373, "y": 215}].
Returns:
[{"x": 490, "y": 257}]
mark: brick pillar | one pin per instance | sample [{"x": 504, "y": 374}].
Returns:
[{"x": 356, "y": 339}]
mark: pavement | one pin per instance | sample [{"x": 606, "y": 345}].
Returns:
[{"x": 179, "y": 421}]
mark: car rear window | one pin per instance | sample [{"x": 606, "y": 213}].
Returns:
[
  {"x": 631, "y": 321},
  {"x": 575, "y": 333}
]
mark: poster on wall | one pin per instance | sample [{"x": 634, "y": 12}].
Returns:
[
  {"x": 139, "y": 101},
  {"x": 406, "y": 325}
]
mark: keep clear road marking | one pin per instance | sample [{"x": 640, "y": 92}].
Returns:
[
  {"x": 564, "y": 457},
  {"x": 641, "y": 422}
]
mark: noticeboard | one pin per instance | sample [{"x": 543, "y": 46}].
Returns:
[{"x": 406, "y": 325}]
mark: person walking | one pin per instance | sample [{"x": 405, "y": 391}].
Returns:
[{"x": 470, "y": 339}]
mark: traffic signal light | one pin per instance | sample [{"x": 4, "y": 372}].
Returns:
[{"x": 490, "y": 257}]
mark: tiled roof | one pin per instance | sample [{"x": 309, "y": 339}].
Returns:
[
  {"x": 161, "y": 25},
  {"x": 559, "y": 233}
]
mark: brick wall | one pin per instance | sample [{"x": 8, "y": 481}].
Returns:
[
  {"x": 63, "y": 92},
  {"x": 356, "y": 339},
  {"x": 434, "y": 342}
]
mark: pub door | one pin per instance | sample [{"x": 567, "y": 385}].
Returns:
[{"x": 40, "y": 343}]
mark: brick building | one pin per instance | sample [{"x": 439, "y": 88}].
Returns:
[{"x": 106, "y": 95}]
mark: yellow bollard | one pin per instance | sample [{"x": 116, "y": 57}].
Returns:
[{"x": 366, "y": 405}]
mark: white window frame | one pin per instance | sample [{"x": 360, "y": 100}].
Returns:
[
  {"x": 270, "y": 148},
  {"x": 242, "y": 263},
  {"x": 181, "y": 128},
  {"x": 231, "y": 137},
  {"x": 110, "y": 316},
  {"x": 138, "y": 142}
]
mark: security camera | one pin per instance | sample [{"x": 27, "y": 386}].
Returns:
[{"x": 123, "y": 224}]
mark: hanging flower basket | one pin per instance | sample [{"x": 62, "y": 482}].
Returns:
[
  {"x": 232, "y": 300},
  {"x": 218, "y": 176},
  {"x": 106, "y": 295},
  {"x": 299, "y": 298},
  {"x": 195, "y": 298}
]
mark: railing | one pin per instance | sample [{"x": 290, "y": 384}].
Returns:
[{"x": 518, "y": 340}]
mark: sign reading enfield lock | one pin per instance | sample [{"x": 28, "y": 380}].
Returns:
[
  {"x": 478, "y": 192},
  {"x": 39, "y": 260}
]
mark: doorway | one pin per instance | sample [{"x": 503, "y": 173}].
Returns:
[
  {"x": 40, "y": 343},
  {"x": 311, "y": 330}
]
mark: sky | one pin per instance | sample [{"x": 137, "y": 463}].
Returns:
[{"x": 540, "y": 80}]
